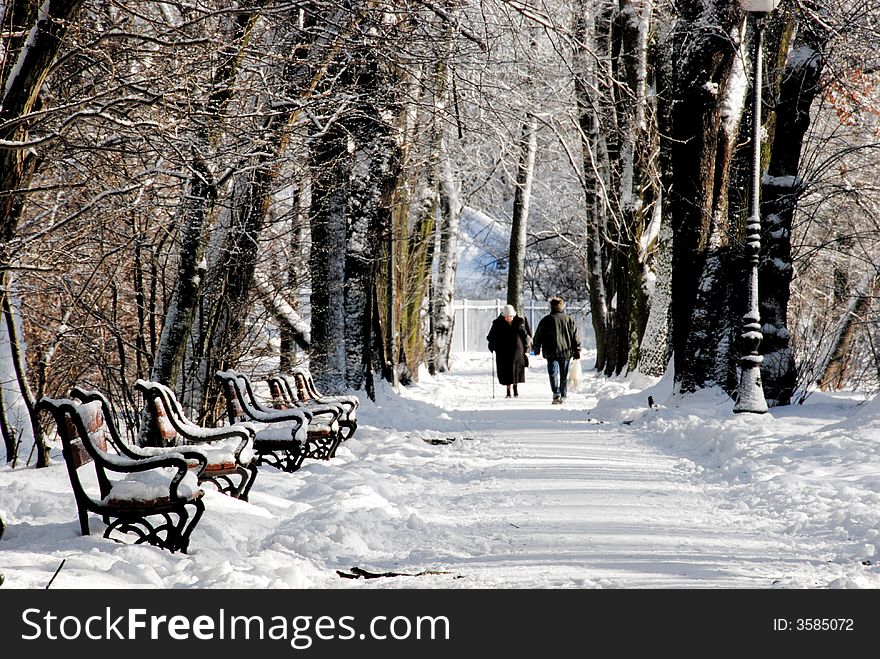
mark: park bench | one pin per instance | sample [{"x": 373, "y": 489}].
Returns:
[
  {"x": 212, "y": 464},
  {"x": 232, "y": 463},
  {"x": 155, "y": 498},
  {"x": 284, "y": 397},
  {"x": 301, "y": 386},
  {"x": 275, "y": 428}
]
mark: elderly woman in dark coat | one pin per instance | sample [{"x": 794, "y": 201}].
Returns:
[{"x": 509, "y": 339}]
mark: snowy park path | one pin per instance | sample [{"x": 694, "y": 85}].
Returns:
[
  {"x": 448, "y": 487},
  {"x": 584, "y": 502}
]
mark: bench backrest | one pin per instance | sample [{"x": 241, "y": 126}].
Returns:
[
  {"x": 78, "y": 455},
  {"x": 243, "y": 405},
  {"x": 302, "y": 386},
  {"x": 84, "y": 433},
  {"x": 111, "y": 433},
  {"x": 161, "y": 424},
  {"x": 237, "y": 386},
  {"x": 161, "y": 403},
  {"x": 250, "y": 396},
  {"x": 234, "y": 405},
  {"x": 279, "y": 396},
  {"x": 288, "y": 388},
  {"x": 307, "y": 390}
]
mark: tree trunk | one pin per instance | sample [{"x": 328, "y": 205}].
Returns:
[
  {"x": 441, "y": 316},
  {"x": 18, "y": 362},
  {"x": 296, "y": 272},
  {"x": 223, "y": 318},
  {"x": 289, "y": 321},
  {"x": 442, "y": 312},
  {"x": 28, "y": 62},
  {"x": 586, "y": 82},
  {"x": 6, "y": 429},
  {"x": 525, "y": 174},
  {"x": 781, "y": 187},
  {"x": 835, "y": 363},
  {"x": 196, "y": 209},
  {"x": 416, "y": 280},
  {"x": 655, "y": 348},
  {"x": 700, "y": 152},
  {"x": 407, "y": 249},
  {"x": 31, "y": 43},
  {"x": 355, "y": 171},
  {"x": 638, "y": 187},
  {"x": 329, "y": 217},
  {"x": 368, "y": 225},
  {"x": 621, "y": 184}
]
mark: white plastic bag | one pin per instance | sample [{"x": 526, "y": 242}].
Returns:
[{"x": 574, "y": 374}]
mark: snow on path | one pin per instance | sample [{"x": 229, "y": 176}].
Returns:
[
  {"x": 587, "y": 504},
  {"x": 454, "y": 488}
]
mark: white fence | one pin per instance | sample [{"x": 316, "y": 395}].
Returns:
[{"x": 473, "y": 318}]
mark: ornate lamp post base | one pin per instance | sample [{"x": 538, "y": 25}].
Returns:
[{"x": 751, "y": 392}]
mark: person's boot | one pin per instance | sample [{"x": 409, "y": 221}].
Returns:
[
  {"x": 515, "y": 392},
  {"x": 508, "y": 392}
]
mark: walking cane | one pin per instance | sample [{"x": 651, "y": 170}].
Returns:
[{"x": 492, "y": 356}]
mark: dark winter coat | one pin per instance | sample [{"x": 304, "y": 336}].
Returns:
[
  {"x": 557, "y": 336},
  {"x": 510, "y": 343}
]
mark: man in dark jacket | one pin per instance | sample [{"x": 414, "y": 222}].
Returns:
[{"x": 557, "y": 336}]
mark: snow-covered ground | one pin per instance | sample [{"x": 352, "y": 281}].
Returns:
[{"x": 602, "y": 492}]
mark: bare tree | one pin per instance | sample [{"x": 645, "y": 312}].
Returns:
[
  {"x": 195, "y": 211},
  {"x": 448, "y": 211},
  {"x": 618, "y": 130},
  {"x": 32, "y": 38},
  {"x": 799, "y": 84}
]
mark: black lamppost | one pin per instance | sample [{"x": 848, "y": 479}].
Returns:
[{"x": 751, "y": 393}]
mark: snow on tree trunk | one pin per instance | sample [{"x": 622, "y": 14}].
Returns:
[
  {"x": 835, "y": 359},
  {"x": 621, "y": 186},
  {"x": 296, "y": 272},
  {"x": 522, "y": 197},
  {"x": 28, "y": 56},
  {"x": 15, "y": 424},
  {"x": 180, "y": 312},
  {"x": 282, "y": 310},
  {"x": 699, "y": 159},
  {"x": 781, "y": 187},
  {"x": 331, "y": 169},
  {"x": 655, "y": 348},
  {"x": 638, "y": 185},
  {"x": 359, "y": 261},
  {"x": 443, "y": 314},
  {"x": 27, "y": 424}
]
